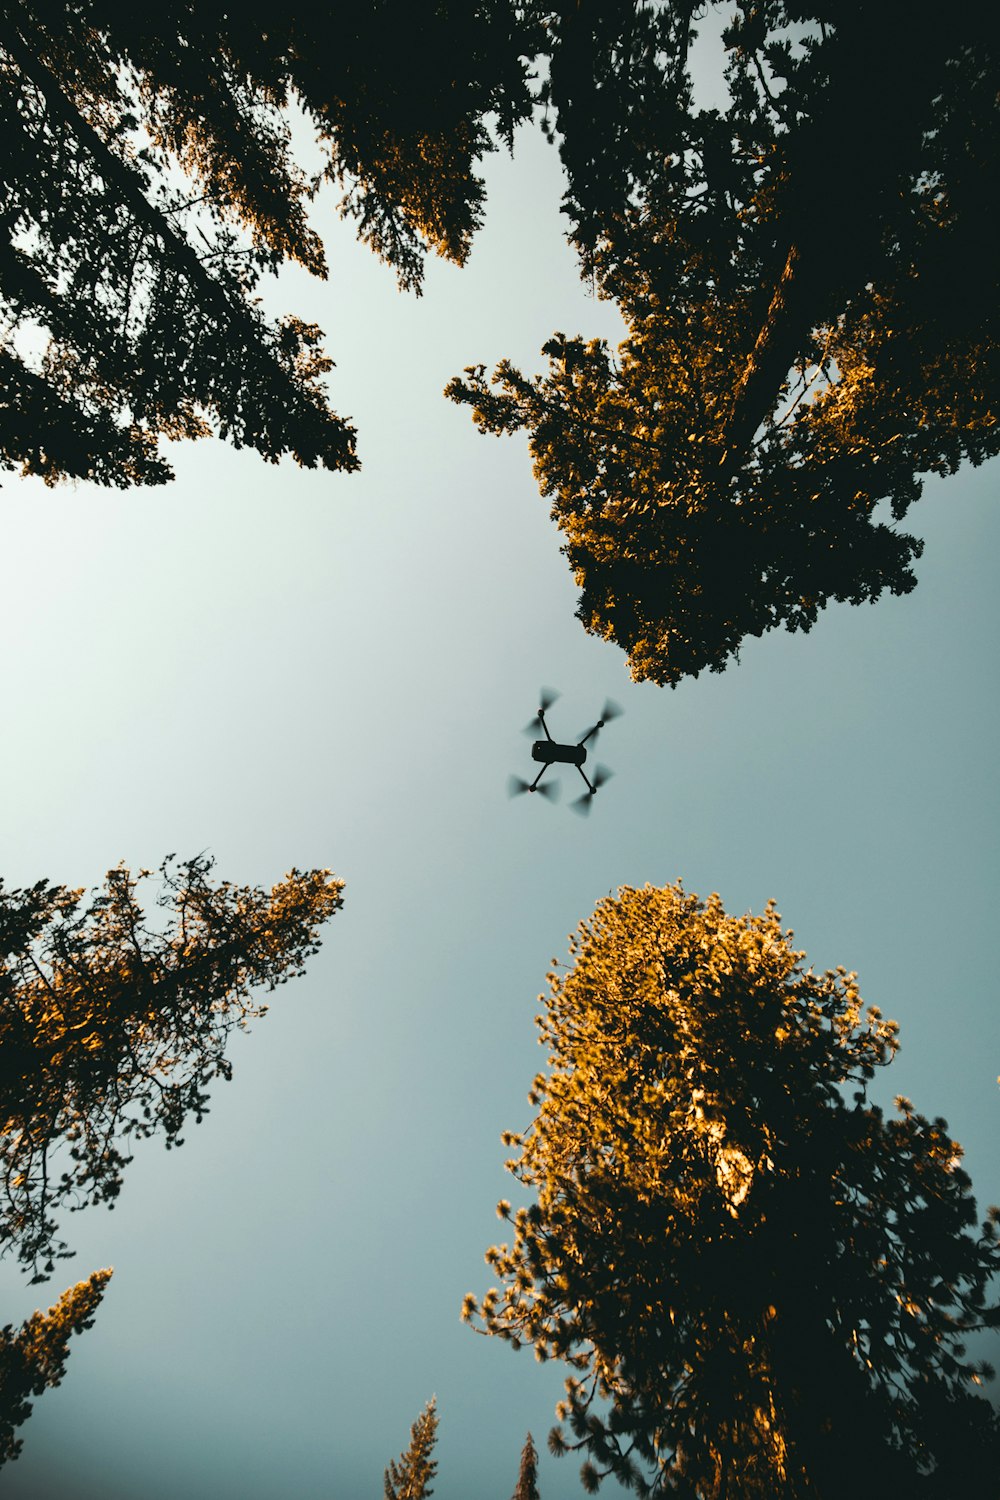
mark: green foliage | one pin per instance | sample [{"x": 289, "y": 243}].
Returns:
[
  {"x": 811, "y": 291},
  {"x": 34, "y": 1358},
  {"x": 409, "y": 1477},
  {"x": 761, "y": 1284},
  {"x": 150, "y": 179},
  {"x": 527, "y": 1479},
  {"x": 112, "y": 1029}
]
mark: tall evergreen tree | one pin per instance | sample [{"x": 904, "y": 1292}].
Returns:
[
  {"x": 811, "y": 292},
  {"x": 527, "y": 1479},
  {"x": 33, "y": 1358},
  {"x": 409, "y": 1477},
  {"x": 113, "y": 1026},
  {"x": 149, "y": 179},
  {"x": 762, "y": 1286}
]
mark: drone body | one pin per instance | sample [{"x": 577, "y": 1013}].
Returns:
[
  {"x": 549, "y": 751},
  {"x": 553, "y": 752}
]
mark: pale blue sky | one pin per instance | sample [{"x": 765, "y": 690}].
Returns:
[{"x": 291, "y": 668}]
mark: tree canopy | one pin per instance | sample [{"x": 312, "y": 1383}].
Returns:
[
  {"x": 806, "y": 274},
  {"x": 113, "y": 1025},
  {"x": 810, "y": 288},
  {"x": 763, "y": 1285},
  {"x": 150, "y": 178}
]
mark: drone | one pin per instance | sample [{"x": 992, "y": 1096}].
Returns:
[{"x": 552, "y": 752}]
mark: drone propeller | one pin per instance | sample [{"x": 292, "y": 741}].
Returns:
[
  {"x": 582, "y": 804},
  {"x": 546, "y": 696},
  {"x": 516, "y": 785},
  {"x": 610, "y": 711}
]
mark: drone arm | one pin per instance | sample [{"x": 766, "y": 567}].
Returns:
[
  {"x": 590, "y": 785},
  {"x": 541, "y": 720}
]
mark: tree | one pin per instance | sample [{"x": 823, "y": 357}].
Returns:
[
  {"x": 150, "y": 180},
  {"x": 409, "y": 1477},
  {"x": 527, "y": 1479},
  {"x": 810, "y": 290},
  {"x": 112, "y": 1028},
  {"x": 34, "y": 1358},
  {"x": 761, "y": 1284}
]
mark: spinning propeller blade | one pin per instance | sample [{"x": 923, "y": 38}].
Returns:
[
  {"x": 516, "y": 785},
  {"x": 593, "y": 733},
  {"x": 546, "y": 697},
  {"x": 582, "y": 804}
]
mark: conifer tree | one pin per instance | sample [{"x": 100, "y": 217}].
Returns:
[
  {"x": 810, "y": 287},
  {"x": 409, "y": 1477},
  {"x": 527, "y": 1479},
  {"x": 112, "y": 1028},
  {"x": 33, "y": 1359},
  {"x": 114, "y": 1025},
  {"x": 762, "y": 1285},
  {"x": 150, "y": 178}
]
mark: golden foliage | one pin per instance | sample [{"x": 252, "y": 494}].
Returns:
[
  {"x": 112, "y": 1028},
  {"x": 749, "y": 1272}
]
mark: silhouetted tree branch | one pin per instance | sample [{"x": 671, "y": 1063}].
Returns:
[{"x": 128, "y": 293}]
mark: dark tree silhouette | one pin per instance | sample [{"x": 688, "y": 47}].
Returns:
[
  {"x": 34, "y": 1358},
  {"x": 149, "y": 179},
  {"x": 112, "y": 1027},
  {"x": 810, "y": 287},
  {"x": 527, "y": 1479},
  {"x": 409, "y": 1477},
  {"x": 761, "y": 1284}
]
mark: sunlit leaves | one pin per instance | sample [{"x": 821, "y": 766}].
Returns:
[
  {"x": 750, "y": 1270},
  {"x": 33, "y": 1358},
  {"x": 409, "y": 1477},
  {"x": 113, "y": 1025},
  {"x": 811, "y": 312}
]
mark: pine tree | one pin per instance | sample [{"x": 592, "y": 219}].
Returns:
[
  {"x": 409, "y": 1477},
  {"x": 527, "y": 1479},
  {"x": 150, "y": 179},
  {"x": 811, "y": 292},
  {"x": 34, "y": 1358},
  {"x": 762, "y": 1286},
  {"x": 113, "y": 1026}
]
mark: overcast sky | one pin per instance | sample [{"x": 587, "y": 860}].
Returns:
[{"x": 288, "y": 668}]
